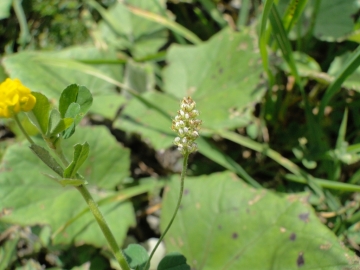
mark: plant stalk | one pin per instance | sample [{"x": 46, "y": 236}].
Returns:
[
  {"x": 92, "y": 205},
  {"x": 16, "y": 118},
  {"x": 104, "y": 227},
  {"x": 183, "y": 174}
]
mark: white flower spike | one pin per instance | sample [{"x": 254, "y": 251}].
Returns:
[{"x": 187, "y": 126}]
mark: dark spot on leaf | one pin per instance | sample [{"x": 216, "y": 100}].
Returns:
[
  {"x": 219, "y": 227},
  {"x": 234, "y": 235},
  {"x": 186, "y": 192},
  {"x": 304, "y": 217},
  {"x": 221, "y": 70},
  {"x": 300, "y": 259},
  {"x": 292, "y": 237}
]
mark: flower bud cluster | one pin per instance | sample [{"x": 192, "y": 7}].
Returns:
[{"x": 187, "y": 126}]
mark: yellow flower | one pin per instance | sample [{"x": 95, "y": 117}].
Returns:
[{"x": 15, "y": 97}]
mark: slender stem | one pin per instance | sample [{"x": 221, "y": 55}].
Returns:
[
  {"x": 96, "y": 212},
  {"x": 104, "y": 227},
  {"x": 183, "y": 174},
  {"x": 16, "y": 118}
]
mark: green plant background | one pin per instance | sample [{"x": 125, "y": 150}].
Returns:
[{"x": 275, "y": 182}]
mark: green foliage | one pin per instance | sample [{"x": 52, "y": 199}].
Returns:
[
  {"x": 279, "y": 105},
  {"x": 74, "y": 103},
  {"x": 136, "y": 256},
  {"x": 173, "y": 261},
  {"x": 28, "y": 191},
  {"x": 255, "y": 229},
  {"x": 81, "y": 152}
]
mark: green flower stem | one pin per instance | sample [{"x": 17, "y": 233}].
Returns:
[
  {"x": 97, "y": 215},
  {"x": 16, "y": 118},
  {"x": 91, "y": 203},
  {"x": 183, "y": 174},
  {"x": 104, "y": 227}
]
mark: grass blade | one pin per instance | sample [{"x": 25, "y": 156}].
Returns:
[
  {"x": 214, "y": 12},
  {"x": 314, "y": 131},
  {"x": 211, "y": 152},
  {"x": 263, "y": 40},
  {"x": 243, "y": 14},
  {"x": 350, "y": 66},
  {"x": 173, "y": 26},
  {"x": 293, "y": 13}
]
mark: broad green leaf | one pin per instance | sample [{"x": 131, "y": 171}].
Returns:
[
  {"x": 224, "y": 224},
  {"x": 221, "y": 75},
  {"x": 334, "y": 20},
  {"x": 81, "y": 152},
  {"x": 142, "y": 37},
  {"x": 173, "y": 261},
  {"x": 29, "y": 197},
  {"x": 139, "y": 76},
  {"x": 39, "y": 115},
  {"x": 214, "y": 75},
  {"x": 136, "y": 256},
  {"x": 107, "y": 105},
  {"x": 50, "y": 72}
]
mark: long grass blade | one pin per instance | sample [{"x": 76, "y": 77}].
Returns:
[
  {"x": 173, "y": 26},
  {"x": 243, "y": 13},
  {"x": 326, "y": 183},
  {"x": 298, "y": 175},
  {"x": 349, "y": 67},
  {"x": 211, "y": 152},
  {"x": 335, "y": 171},
  {"x": 263, "y": 40},
  {"x": 119, "y": 196},
  {"x": 293, "y": 13},
  {"x": 281, "y": 37},
  {"x": 214, "y": 12}
]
